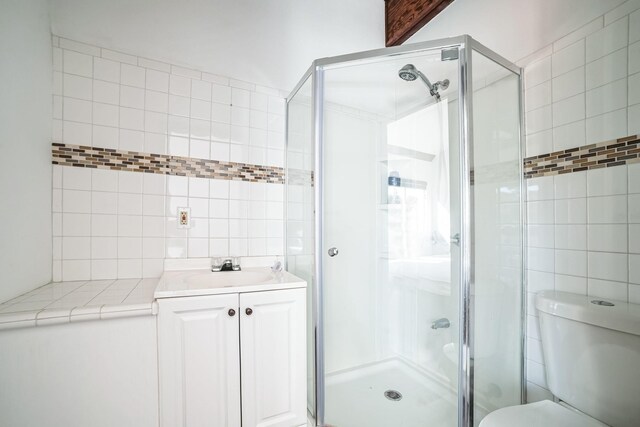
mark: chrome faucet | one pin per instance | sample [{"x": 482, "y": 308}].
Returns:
[{"x": 226, "y": 265}]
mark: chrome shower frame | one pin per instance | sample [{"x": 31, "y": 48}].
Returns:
[{"x": 465, "y": 45}]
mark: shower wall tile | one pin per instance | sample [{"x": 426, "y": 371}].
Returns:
[{"x": 114, "y": 116}]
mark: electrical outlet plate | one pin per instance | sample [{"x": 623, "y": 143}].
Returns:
[{"x": 184, "y": 217}]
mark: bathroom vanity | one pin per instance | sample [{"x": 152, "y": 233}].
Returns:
[
  {"x": 232, "y": 348},
  {"x": 195, "y": 348}
]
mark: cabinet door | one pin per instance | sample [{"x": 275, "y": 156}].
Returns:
[
  {"x": 273, "y": 341},
  {"x": 199, "y": 360}
]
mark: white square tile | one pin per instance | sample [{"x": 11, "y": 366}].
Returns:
[
  {"x": 198, "y": 187},
  {"x": 76, "y": 178},
  {"x": 104, "y": 248},
  {"x": 634, "y": 269},
  {"x": 634, "y": 89},
  {"x": 238, "y": 209},
  {"x": 106, "y": 92},
  {"x": 239, "y": 135},
  {"x": 77, "y": 63},
  {"x": 540, "y": 212},
  {"x": 155, "y": 143},
  {"x": 131, "y": 140},
  {"x": 157, "y": 80},
  {"x": 221, "y": 94},
  {"x": 569, "y": 58},
  {"x": 240, "y": 98},
  {"x": 132, "y": 75},
  {"x": 634, "y": 177},
  {"x": 152, "y": 247},
  {"x": 573, "y": 237},
  {"x": 633, "y": 119},
  {"x": 129, "y": 247},
  {"x": 76, "y": 247},
  {"x": 105, "y": 137},
  {"x": 258, "y": 137},
  {"x": 220, "y": 113},
  {"x": 571, "y": 211},
  {"x": 104, "y": 225},
  {"x": 570, "y": 185},
  {"x": 129, "y": 268},
  {"x": 607, "y": 237},
  {"x": 132, "y": 97},
  {"x": 220, "y": 132},
  {"x": 537, "y": 72},
  {"x": 259, "y": 119},
  {"x": 179, "y": 85},
  {"x": 259, "y": 101},
  {"x": 76, "y": 110},
  {"x": 608, "y": 69},
  {"x": 105, "y": 114},
  {"x": 607, "y": 126},
  {"x": 540, "y": 188},
  {"x": 75, "y": 201},
  {"x": 156, "y": 101},
  {"x": 607, "y": 181},
  {"x": 540, "y": 236},
  {"x": 539, "y": 143},
  {"x": 199, "y": 207},
  {"x": 178, "y": 126},
  {"x": 105, "y": 69},
  {"x": 155, "y": 122},
  {"x": 131, "y": 118},
  {"x": 608, "y": 266},
  {"x": 219, "y": 228},
  {"x": 607, "y": 210},
  {"x": 153, "y": 226},
  {"x": 104, "y": 203},
  {"x": 77, "y": 87},
  {"x": 130, "y": 182},
  {"x": 198, "y": 149},
  {"x": 201, "y": 90},
  {"x": 199, "y": 228},
  {"x": 129, "y": 204},
  {"x": 607, "y": 289},
  {"x": 198, "y": 248},
  {"x": 573, "y": 263},
  {"x": 200, "y": 129},
  {"x": 569, "y": 110},
  {"x": 634, "y": 26},
  {"x": 177, "y": 185},
  {"x": 178, "y": 146},
  {"x": 573, "y": 284},
  {"x": 275, "y": 210},
  {"x": 609, "y": 97},
  {"x": 569, "y": 84},
  {"x": 56, "y": 200},
  {"x": 129, "y": 225},
  {"x": 634, "y": 58},
  {"x": 179, "y": 105},
  {"x": 76, "y": 270},
  {"x": 538, "y": 120},
  {"x": 610, "y": 38},
  {"x": 153, "y": 184},
  {"x": 200, "y": 109},
  {"x": 218, "y": 189},
  {"x": 153, "y": 205},
  {"x": 240, "y": 116},
  {"x": 634, "y": 208},
  {"x": 78, "y": 225},
  {"x": 569, "y": 136},
  {"x": 238, "y": 247}
]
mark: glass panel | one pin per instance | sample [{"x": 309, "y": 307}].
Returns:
[
  {"x": 497, "y": 237},
  {"x": 299, "y": 223},
  {"x": 390, "y": 305}
]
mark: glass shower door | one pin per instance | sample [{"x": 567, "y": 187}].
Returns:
[{"x": 390, "y": 297}]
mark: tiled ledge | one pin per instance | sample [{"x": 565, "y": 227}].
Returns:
[{"x": 65, "y": 302}]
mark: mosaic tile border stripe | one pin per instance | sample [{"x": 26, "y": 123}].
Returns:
[
  {"x": 133, "y": 161},
  {"x": 595, "y": 156}
]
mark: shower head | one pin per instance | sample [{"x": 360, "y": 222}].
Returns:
[{"x": 410, "y": 73}]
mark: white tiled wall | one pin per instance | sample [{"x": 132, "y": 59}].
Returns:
[
  {"x": 116, "y": 224},
  {"x": 585, "y": 87},
  {"x": 583, "y": 227}
]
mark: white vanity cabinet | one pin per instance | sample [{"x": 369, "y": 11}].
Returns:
[{"x": 233, "y": 360}]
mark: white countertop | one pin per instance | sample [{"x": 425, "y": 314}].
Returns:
[
  {"x": 63, "y": 302},
  {"x": 204, "y": 282}
]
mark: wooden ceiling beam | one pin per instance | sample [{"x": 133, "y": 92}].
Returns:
[{"x": 403, "y": 18}]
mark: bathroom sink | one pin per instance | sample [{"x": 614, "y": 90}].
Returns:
[
  {"x": 229, "y": 278},
  {"x": 205, "y": 282}
]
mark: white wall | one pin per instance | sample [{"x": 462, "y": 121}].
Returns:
[
  {"x": 118, "y": 224},
  {"x": 582, "y": 226},
  {"x": 25, "y": 129}
]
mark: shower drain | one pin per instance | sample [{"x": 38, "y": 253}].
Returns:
[{"x": 393, "y": 395}]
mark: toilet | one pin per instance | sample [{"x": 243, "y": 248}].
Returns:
[{"x": 591, "y": 349}]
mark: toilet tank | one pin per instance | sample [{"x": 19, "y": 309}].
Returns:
[{"x": 592, "y": 354}]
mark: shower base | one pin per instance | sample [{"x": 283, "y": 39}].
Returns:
[{"x": 356, "y": 398}]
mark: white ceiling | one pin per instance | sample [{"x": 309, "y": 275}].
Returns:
[{"x": 272, "y": 42}]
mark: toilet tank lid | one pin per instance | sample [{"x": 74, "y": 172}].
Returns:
[{"x": 622, "y": 316}]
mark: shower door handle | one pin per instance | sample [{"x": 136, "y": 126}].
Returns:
[
  {"x": 455, "y": 239},
  {"x": 333, "y": 252}
]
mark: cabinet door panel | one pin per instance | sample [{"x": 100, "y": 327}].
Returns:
[
  {"x": 199, "y": 362},
  {"x": 273, "y": 342}
]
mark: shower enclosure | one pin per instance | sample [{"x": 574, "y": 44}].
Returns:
[{"x": 404, "y": 214}]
